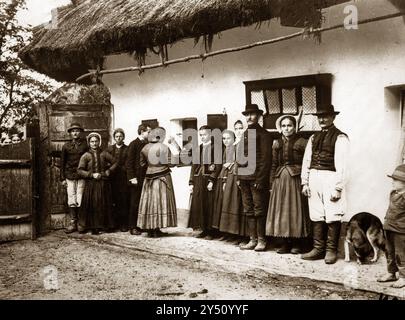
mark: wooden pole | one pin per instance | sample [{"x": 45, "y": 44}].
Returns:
[{"x": 240, "y": 48}]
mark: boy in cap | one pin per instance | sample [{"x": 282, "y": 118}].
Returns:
[
  {"x": 70, "y": 157},
  {"x": 324, "y": 173},
  {"x": 394, "y": 226}
]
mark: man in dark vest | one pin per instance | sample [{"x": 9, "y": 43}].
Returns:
[
  {"x": 136, "y": 175},
  {"x": 324, "y": 173},
  {"x": 254, "y": 176}
]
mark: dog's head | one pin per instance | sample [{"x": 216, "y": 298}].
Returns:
[{"x": 361, "y": 245}]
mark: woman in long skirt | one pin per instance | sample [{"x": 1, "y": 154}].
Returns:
[
  {"x": 96, "y": 166},
  {"x": 157, "y": 207},
  {"x": 236, "y": 197},
  {"x": 226, "y": 202},
  {"x": 288, "y": 216},
  {"x": 119, "y": 181}
]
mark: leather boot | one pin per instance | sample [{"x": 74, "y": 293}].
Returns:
[
  {"x": 73, "y": 220},
  {"x": 332, "y": 242},
  {"x": 296, "y": 246},
  {"x": 261, "y": 227},
  {"x": 319, "y": 233},
  {"x": 285, "y": 247},
  {"x": 253, "y": 235}
]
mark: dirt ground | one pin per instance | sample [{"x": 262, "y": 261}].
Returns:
[{"x": 84, "y": 267}]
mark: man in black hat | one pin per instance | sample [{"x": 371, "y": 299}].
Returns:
[
  {"x": 70, "y": 157},
  {"x": 253, "y": 176},
  {"x": 324, "y": 171}
]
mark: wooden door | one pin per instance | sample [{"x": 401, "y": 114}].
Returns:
[
  {"x": 54, "y": 121},
  {"x": 17, "y": 191}
]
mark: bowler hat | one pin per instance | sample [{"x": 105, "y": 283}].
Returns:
[
  {"x": 399, "y": 173},
  {"x": 75, "y": 125},
  {"x": 252, "y": 108},
  {"x": 325, "y": 109}
]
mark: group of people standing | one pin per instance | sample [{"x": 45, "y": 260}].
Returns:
[
  {"x": 120, "y": 187},
  {"x": 124, "y": 188},
  {"x": 295, "y": 189}
]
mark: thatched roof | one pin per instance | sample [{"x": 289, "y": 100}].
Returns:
[{"x": 89, "y": 30}]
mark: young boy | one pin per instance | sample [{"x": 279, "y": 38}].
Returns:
[
  {"x": 394, "y": 226},
  {"x": 202, "y": 178},
  {"x": 70, "y": 157}
]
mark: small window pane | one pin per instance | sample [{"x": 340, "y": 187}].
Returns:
[
  {"x": 273, "y": 101},
  {"x": 309, "y": 122},
  {"x": 309, "y": 99},
  {"x": 257, "y": 97},
  {"x": 289, "y": 101}
]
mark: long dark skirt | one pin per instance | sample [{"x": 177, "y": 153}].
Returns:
[
  {"x": 288, "y": 209},
  {"x": 217, "y": 204},
  {"x": 201, "y": 205},
  {"x": 157, "y": 208},
  {"x": 120, "y": 196},
  {"x": 96, "y": 210},
  {"x": 231, "y": 215}
]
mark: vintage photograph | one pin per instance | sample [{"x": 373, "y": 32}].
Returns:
[{"x": 202, "y": 150}]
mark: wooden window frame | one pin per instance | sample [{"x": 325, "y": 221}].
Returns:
[{"x": 322, "y": 82}]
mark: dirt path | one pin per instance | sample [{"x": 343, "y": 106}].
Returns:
[{"x": 86, "y": 268}]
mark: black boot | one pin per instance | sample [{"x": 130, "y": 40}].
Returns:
[
  {"x": 319, "y": 233},
  {"x": 252, "y": 233},
  {"x": 285, "y": 247},
  {"x": 332, "y": 242},
  {"x": 159, "y": 233},
  {"x": 73, "y": 220},
  {"x": 296, "y": 246}
]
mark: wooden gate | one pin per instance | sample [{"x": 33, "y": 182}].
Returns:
[
  {"x": 18, "y": 191},
  {"x": 54, "y": 121}
]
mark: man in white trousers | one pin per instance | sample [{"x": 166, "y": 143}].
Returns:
[{"x": 324, "y": 175}]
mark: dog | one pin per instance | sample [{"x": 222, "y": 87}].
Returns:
[{"x": 365, "y": 233}]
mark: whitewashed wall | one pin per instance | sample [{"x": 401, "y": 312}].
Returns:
[{"x": 363, "y": 63}]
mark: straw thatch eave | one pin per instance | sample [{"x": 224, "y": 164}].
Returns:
[{"x": 91, "y": 29}]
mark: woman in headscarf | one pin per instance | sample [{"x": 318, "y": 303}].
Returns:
[
  {"x": 157, "y": 207},
  {"x": 96, "y": 166},
  {"x": 287, "y": 216},
  {"x": 119, "y": 181}
]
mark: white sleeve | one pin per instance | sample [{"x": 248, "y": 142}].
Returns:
[
  {"x": 342, "y": 148},
  {"x": 306, "y": 162}
]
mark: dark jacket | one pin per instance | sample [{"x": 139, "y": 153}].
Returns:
[
  {"x": 287, "y": 154},
  {"x": 264, "y": 144},
  {"x": 133, "y": 162},
  {"x": 395, "y": 217},
  {"x": 70, "y": 157},
  {"x": 96, "y": 162},
  {"x": 210, "y": 170},
  {"x": 120, "y": 155}
]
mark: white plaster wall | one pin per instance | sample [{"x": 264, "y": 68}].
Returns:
[{"x": 363, "y": 63}]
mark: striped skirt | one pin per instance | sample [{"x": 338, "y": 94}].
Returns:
[
  {"x": 157, "y": 207},
  {"x": 288, "y": 210}
]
